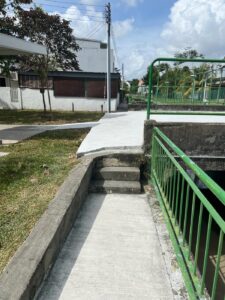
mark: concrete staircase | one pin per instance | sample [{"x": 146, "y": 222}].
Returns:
[{"x": 113, "y": 175}]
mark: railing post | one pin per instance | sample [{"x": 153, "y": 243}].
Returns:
[{"x": 150, "y": 72}]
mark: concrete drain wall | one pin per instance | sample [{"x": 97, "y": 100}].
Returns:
[{"x": 32, "y": 262}]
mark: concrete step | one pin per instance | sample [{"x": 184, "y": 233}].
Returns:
[
  {"x": 118, "y": 173},
  {"x": 120, "y": 161},
  {"x": 111, "y": 186}
]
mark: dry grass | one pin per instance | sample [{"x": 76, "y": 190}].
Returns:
[
  {"x": 29, "y": 178},
  {"x": 39, "y": 117}
]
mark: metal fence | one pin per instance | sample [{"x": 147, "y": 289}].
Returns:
[
  {"x": 171, "y": 95},
  {"x": 197, "y": 225},
  {"x": 180, "y": 83}
]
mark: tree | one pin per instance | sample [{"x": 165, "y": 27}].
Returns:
[
  {"x": 173, "y": 78},
  {"x": 56, "y": 34},
  {"x": 15, "y": 4},
  {"x": 134, "y": 86},
  {"x": 188, "y": 53},
  {"x": 7, "y": 26},
  {"x": 7, "y": 18}
]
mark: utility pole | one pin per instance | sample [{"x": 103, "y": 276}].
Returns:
[
  {"x": 122, "y": 86},
  {"x": 122, "y": 76},
  {"x": 108, "y": 22}
]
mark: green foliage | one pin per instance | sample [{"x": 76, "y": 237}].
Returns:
[
  {"x": 134, "y": 86},
  {"x": 53, "y": 32},
  {"x": 188, "y": 53},
  {"x": 178, "y": 77}
]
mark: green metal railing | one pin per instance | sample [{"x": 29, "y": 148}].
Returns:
[
  {"x": 198, "y": 227},
  {"x": 170, "y": 95},
  {"x": 181, "y": 60},
  {"x": 137, "y": 98}
]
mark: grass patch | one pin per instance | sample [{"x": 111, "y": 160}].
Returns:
[
  {"x": 29, "y": 179},
  {"x": 39, "y": 117}
]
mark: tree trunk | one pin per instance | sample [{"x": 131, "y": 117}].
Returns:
[
  {"x": 43, "y": 98},
  {"x": 49, "y": 100},
  {"x": 21, "y": 96},
  {"x": 10, "y": 88}
]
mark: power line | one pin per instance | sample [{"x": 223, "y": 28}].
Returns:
[
  {"x": 81, "y": 20},
  {"x": 77, "y": 3},
  {"x": 95, "y": 31},
  {"x": 66, "y": 7}
]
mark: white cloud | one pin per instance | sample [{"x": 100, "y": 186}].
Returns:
[
  {"x": 83, "y": 21},
  {"x": 199, "y": 24},
  {"x": 131, "y": 2},
  {"x": 90, "y": 2},
  {"x": 122, "y": 28}
]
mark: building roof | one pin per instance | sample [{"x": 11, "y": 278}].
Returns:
[
  {"x": 10, "y": 45},
  {"x": 77, "y": 74},
  {"x": 88, "y": 40}
]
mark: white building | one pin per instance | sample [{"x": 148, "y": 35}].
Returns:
[
  {"x": 81, "y": 90},
  {"x": 93, "y": 56},
  {"x": 10, "y": 45}
]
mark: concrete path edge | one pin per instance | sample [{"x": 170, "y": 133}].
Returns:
[{"x": 27, "y": 269}]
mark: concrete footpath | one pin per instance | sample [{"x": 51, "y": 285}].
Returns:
[
  {"x": 112, "y": 252},
  {"x": 11, "y": 134}
]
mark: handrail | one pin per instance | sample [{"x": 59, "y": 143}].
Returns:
[
  {"x": 205, "y": 179},
  {"x": 169, "y": 59},
  {"x": 191, "y": 216}
]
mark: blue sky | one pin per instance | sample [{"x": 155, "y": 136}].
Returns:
[{"x": 146, "y": 29}]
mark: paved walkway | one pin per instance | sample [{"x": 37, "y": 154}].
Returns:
[
  {"x": 112, "y": 252},
  {"x": 10, "y": 134},
  {"x": 117, "y": 131},
  {"x": 125, "y": 130}
]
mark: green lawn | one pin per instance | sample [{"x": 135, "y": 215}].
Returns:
[
  {"x": 29, "y": 178},
  {"x": 39, "y": 117}
]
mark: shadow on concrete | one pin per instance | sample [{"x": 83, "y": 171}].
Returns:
[
  {"x": 113, "y": 116},
  {"x": 54, "y": 284},
  {"x": 18, "y": 133}
]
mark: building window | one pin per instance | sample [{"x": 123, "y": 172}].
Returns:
[
  {"x": 69, "y": 87},
  {"x": 2, "y": 82},
  {"x": 33, "y": 82},
  {"x": 96, "y": 88}
]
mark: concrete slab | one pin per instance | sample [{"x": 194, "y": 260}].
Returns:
[
  {"x": 112, "y": 252},
  {"x": 121, "y": 131},
  {"x": 125, "y": 130}
]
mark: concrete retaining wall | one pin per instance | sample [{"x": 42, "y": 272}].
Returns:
[
  {"x": 24, "y": 274},
  {"x": 194, "y": 139}
]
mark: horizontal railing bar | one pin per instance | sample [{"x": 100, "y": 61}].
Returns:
[
  {"x": 205, "y": 179},
  {"x": 217, "y": 218},
  {"x": 199, "y": 60}
]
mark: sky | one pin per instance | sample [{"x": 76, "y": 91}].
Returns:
[{"x": 146, "y": 29}]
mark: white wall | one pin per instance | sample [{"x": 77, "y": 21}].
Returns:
[
  {"x": 32, "y": 99},
  {"x": 92, "y": 58}
]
